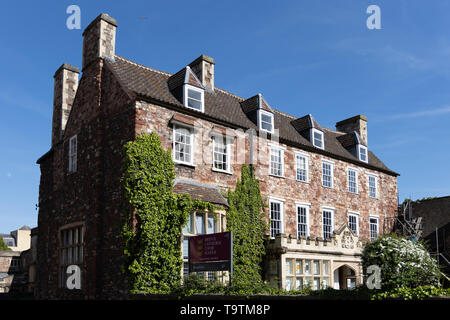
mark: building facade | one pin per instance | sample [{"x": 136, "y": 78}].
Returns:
[{"x": 326, "y": 192}]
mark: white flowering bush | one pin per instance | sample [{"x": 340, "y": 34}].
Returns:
[{"x": 403, "y": 263}]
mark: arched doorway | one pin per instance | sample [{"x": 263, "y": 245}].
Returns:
[{"x": 345, "y": 278}]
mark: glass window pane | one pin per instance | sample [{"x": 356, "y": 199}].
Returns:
[
  {"x": 211, "y": 224},
  {"x": 325, "y": 267},
  {"x": 316, "y": 267},
  {"x": 298, "y": 267},
  {"x": 194, "y": 94},
  {"x": 299, "y": 284},
  {"x": 185, "y": 248},
  {"x": 307, "y": 266},
  {"x": 200, "y": 223}
]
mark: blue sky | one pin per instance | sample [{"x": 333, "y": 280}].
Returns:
[{"x": 304, "y": 56}]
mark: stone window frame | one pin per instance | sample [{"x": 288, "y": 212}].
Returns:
[
  {"x": 62, "y": 266},
  {"x": 73, "y": 149},
  {"x": 281, "y": 220},
  {"x": 191, "y": 131},
  {"x": 354, "y": 214},
  {"x": 307, "y": 207},
  {"x": 186, "y": 97}
]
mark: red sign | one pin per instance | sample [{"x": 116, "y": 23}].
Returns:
[{"x": 210, "y": 247}]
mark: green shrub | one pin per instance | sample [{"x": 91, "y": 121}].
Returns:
[
  {"x": 412, "y": 293},
  {"x": 403, "y": 263}
]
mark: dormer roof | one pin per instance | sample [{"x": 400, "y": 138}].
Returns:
[{"x": 305, "y": 123}]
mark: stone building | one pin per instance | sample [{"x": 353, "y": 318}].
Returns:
[
  {"x": 325, "y": 191},
  {"x": 435, "y": 221},
  {"x": 18, "y": 240}
]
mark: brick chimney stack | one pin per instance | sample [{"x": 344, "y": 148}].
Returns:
[
  {"x": 65, "y": 88},
  {"x": 99, "y": 39},
  {"x": 357, "y": 123},
  {"x": 203, "y": 67}
]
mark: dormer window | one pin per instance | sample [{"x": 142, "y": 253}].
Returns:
[
  {"x": 194, "y": 98},
  {"x": 265, "y": 120},
  {"x": 317, "y": 138},
  {"x": 362, "y": 153}
]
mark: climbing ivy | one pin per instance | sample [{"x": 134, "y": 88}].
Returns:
[
  {"x": 245, "y": 218},
  {"x": 153, "y": 228}
]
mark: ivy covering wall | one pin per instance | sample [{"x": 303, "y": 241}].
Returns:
[
  {"x": 245, "y": 218},
  {"x": 153, "y": 227}
]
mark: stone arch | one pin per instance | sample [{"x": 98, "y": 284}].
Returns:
[{"x": 346, "y": 275}]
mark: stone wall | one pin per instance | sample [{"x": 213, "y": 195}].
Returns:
[{"x": 153, "y": 118}]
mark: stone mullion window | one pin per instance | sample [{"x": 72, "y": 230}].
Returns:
[
  {"x": 73, "y": 154},
  {"x": 200, "y": 223},
  {"x": 303, "y": 273},
  {"x": 71, "y": 250}
]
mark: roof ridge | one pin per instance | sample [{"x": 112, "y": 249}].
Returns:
[
  {"x": 171, "y": 74},
  {"x": 144, "y": 67}
]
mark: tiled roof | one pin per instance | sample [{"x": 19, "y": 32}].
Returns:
[
  {"x": 305, "y": 123},
  {"x": 225, "y": 108},
  {"x": 199, "y": 191},
  {"x": 349, "y": 139}
]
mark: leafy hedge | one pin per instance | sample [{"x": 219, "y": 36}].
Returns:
[{"x": 412, "y": 293}]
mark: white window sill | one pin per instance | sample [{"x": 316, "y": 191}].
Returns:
[
  {"x": 274, "y": 175},
  {"x": 302, "y": 181},
  {"x": 222, "y": 171},
  {"x": 185, "y": 163},
  {"x": 328, "y": 187}
]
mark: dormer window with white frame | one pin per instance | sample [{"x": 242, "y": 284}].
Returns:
[
  {"x": 362, "y": 153},
  {"x": 194, "y": 98},
  {"x": 265, "y": 121},
  {"x": 317, "y": 138}
]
